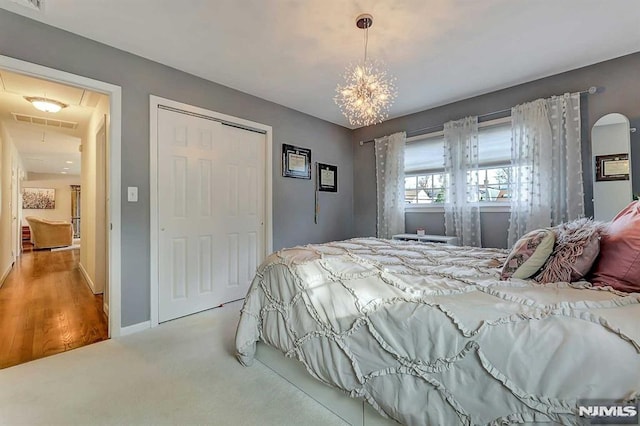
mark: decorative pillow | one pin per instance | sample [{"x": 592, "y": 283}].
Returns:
[
  {"x": 577, "y": 247},
  {"x": 619, "y": 262},
  {"x": 528, "y": 255}
]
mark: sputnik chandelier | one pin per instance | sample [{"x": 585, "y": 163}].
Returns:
[{"x": 367, "y": 92}]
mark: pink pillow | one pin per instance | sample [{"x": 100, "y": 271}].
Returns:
[
  {"x": 577, "y": 247},
  {"x": 619, "y": 263}
]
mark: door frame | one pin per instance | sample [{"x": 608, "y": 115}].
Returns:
[
  {"x": 114, "y": 166},
  {"x": 15, "y": 210},
  {"x": 154, "y": 103},
  {"x": 19, "y": 178}
]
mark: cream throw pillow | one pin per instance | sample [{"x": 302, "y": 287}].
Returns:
[{"x": 529, "y": 254}]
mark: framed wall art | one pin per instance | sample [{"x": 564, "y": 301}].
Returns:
[
  {"x": 327, "y": 177},
  {"x": 296, "y": 162},
  {"x": 612, "y": 167},
  {"x": 38, "y": 198}
]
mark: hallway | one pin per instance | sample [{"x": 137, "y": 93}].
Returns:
[{"x": 47, "y": 308}]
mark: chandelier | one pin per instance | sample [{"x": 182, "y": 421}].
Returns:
[{"x": 367, "y": 92}]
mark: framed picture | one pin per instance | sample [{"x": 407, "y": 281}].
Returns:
[
  {"x": 38, "y": 198},
  {"x": 296, "y": 162},
  {"x": 612, "y": 167},
  {"x": 327, "y": 177}
]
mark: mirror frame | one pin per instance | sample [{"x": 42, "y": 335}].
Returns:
[{"x": 611, "y": 166}]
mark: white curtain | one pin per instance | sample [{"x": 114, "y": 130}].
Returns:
[
  {"x": 389, "y": 151},
  {"x": 547, "y": 164},
  {"x": 461, "y": 208}
]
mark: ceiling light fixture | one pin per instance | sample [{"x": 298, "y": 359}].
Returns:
[
  {"x": 368, "y": 92},
  {"x": 45, "y": 104}
]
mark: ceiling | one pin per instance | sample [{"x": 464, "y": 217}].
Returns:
[
  {"x": 293, "y": 52},
  {"x": 51, "y": 147}
]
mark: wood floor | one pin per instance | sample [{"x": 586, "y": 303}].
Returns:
[{"x": 47, "y": 308}]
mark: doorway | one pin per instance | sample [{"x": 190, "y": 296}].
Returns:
[{"x": 112, "y": 224}]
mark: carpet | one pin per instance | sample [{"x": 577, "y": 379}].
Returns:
[{"x": 181, "y": 372}]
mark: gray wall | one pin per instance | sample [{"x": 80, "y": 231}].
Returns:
[
  {"x": 619, "y": 80},
  {"x": 433, "y": 223},
  {"x": 293, "y": 199}
]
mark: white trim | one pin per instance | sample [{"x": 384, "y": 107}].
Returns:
[
  {"x": 6, "y": 274},
  {"x": 135, "y": 328},
  {"x": 154, "y": 251},
  {"x": 154, "y": 102},
  {"x": 114, "y": 139},
  {"x": 485, "y": 207},
  {"x": 87, "y": 278},
  {"x": 423, "y": 208}
]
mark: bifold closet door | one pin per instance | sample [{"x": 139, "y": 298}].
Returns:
[{"x": 211, "y": 201}]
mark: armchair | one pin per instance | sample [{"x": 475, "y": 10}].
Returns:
[{"x": 49, "y": 233}]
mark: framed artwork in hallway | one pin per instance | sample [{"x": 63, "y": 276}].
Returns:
[{"x": 38, "y": 198}]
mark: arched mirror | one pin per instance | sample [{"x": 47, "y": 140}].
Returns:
[{"x": 611, "y": 162}]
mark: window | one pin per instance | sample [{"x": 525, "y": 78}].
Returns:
[
  {"x": 424, "y": 189},
  {"x": 426, "y": 183}
]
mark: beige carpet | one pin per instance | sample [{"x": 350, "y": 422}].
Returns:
[{"x": 182, "y": 372}]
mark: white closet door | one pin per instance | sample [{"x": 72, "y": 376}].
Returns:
[{"x": 211, "y": 212}]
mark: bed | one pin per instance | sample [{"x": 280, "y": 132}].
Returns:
[{"x": 427, "y": 333}]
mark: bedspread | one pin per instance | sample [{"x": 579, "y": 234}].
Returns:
[{"x": 428, "y": 334}]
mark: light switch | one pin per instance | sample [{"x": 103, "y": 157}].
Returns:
[{"x": 132, "y": 194}]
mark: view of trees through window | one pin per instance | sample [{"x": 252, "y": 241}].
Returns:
[{"x": 489, "y": 184}]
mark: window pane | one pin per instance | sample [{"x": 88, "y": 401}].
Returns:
[
  {"x": 496, "y": 184},
  {"x": 410, "y": 182},
  {"x": 410, "y": 189}
]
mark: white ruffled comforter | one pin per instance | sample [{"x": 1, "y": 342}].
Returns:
[{"x": 427, "y": 334}]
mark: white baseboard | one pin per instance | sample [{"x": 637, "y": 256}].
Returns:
[
  {"x": 135, "y": 328},
  {"x": 5, "y": 274},
  {"x": 86, "y": 277}
]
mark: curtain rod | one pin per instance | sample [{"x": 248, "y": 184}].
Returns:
[{"x": 424, "y": 130}]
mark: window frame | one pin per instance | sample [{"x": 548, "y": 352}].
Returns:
[{"x": 485, "y": 206}]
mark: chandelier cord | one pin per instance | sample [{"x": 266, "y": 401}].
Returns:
[{"x": 366, "y": 42}]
